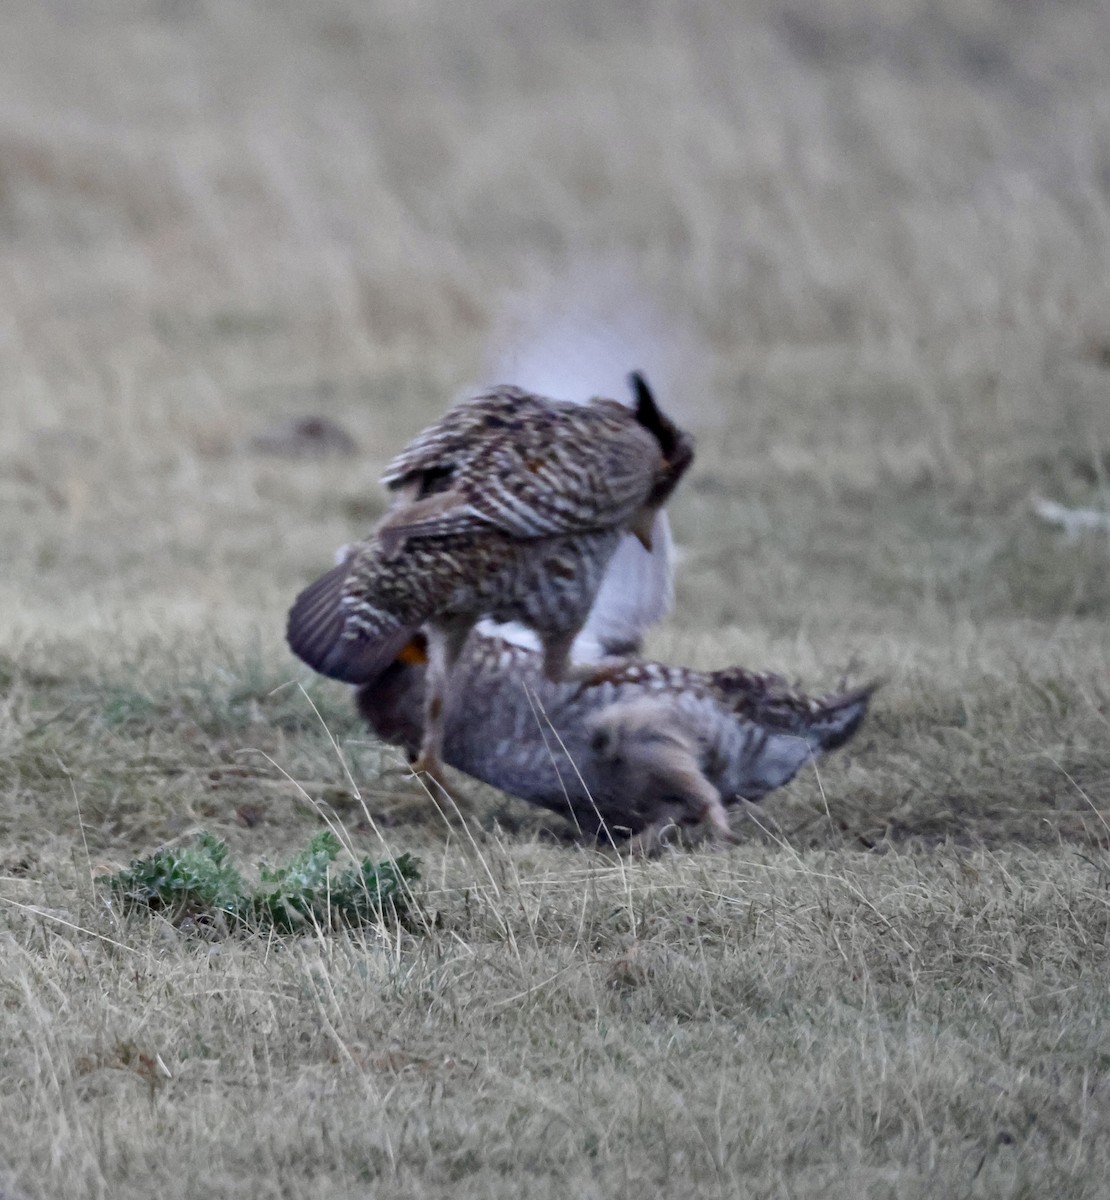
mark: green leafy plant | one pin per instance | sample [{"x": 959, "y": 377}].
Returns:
[
  {"x": 197, "y": 883},
  {"x": 307, "y": 891},
  {"x": 193, "y": 881}
]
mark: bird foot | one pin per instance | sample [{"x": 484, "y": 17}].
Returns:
[
  {"x": 593, "y": 674},
  {"x": 715, "y": 820},
  {"x": 430, "y": 766},
  {"x": 650, "y": 842},
  {"x": 666, "y": 831}
]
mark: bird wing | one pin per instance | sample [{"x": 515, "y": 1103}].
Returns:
[
  {"x": 431, "y": 516},
  {"x": 526, "y": 468},
  {"x": 826, "y": 722},
  {"x": 442, "y": 447},
  {"x": 557, "y": 489},
  {"x": 317, "y": 633}
]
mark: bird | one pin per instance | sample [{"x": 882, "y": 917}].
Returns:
[
  {"x": 624, "y": 758},
  {"x": 510, "y": 508}
]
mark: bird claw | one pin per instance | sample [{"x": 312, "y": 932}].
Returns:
[
  {"x": 665, "y": 832},
  {"x": 590, "y": 675},
  {"x": 715, "y": 820},
  {"x": 431, "y": 768}
]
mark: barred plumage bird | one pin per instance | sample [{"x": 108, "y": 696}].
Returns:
[
  {"x": 647, "y": 747},
  {"x": 509, "y": 507}
]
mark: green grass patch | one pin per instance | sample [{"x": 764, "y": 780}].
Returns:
[{"x": 199, "y": 885}]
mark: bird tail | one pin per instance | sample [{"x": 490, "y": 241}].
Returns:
[
  {"x": 837, "y": 718},
  {"x": 321, "y": 633},
  {"x": 676, "y": 445},
  {"x": 776, "y": 752},
  {"x": 783, "y": 730}
]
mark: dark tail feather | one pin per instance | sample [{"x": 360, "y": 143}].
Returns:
[
  {"x": 785, "y": 746},
  {"x": 649, "y": 416},
  {"x": 676, "y": 446},
  {"x": 825, "y": 722},
  {"x": 316, "y": 633},
  {"x": 841, "y": 716}
]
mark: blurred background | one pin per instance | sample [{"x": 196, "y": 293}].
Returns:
[{"x": 862, "y": 248}]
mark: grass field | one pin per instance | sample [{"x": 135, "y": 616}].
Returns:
[{"x": 863, "y": 249}]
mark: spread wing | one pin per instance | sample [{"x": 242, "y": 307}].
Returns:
[{"x": 316, "y": 633}]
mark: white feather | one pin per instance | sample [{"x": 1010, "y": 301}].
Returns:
[{"x": 584, "y": 351}]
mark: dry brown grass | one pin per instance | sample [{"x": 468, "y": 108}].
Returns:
[{"x": 879, "y": 239}]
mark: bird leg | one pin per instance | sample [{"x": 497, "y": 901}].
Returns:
[
  {"x": 445, "y": 643},
  {"x": 706, "y": 801},
  {"x": 557, "y": 667},
  {"x": 556, "y": 655},
  {"x": 591, "y": 674}
]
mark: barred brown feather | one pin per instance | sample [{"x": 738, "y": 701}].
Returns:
[
  {"x": 509, "y": 507},
  {"x": 622, "y": 756}
]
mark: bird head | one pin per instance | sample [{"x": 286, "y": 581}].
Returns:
[{"x": 392, "y": 703}]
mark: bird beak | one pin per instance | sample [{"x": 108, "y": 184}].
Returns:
[{"x": 642, "y": 527}]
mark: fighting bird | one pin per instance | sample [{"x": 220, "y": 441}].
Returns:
[
  {"x": 509, "y": 507},
  {"x": 640, "y": 749},
  {"x": 647, "y": 747}
]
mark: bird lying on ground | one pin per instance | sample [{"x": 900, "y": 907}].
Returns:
[
  {"x": 509, "y": 507},
  {"x": 648, "y": 747}
]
